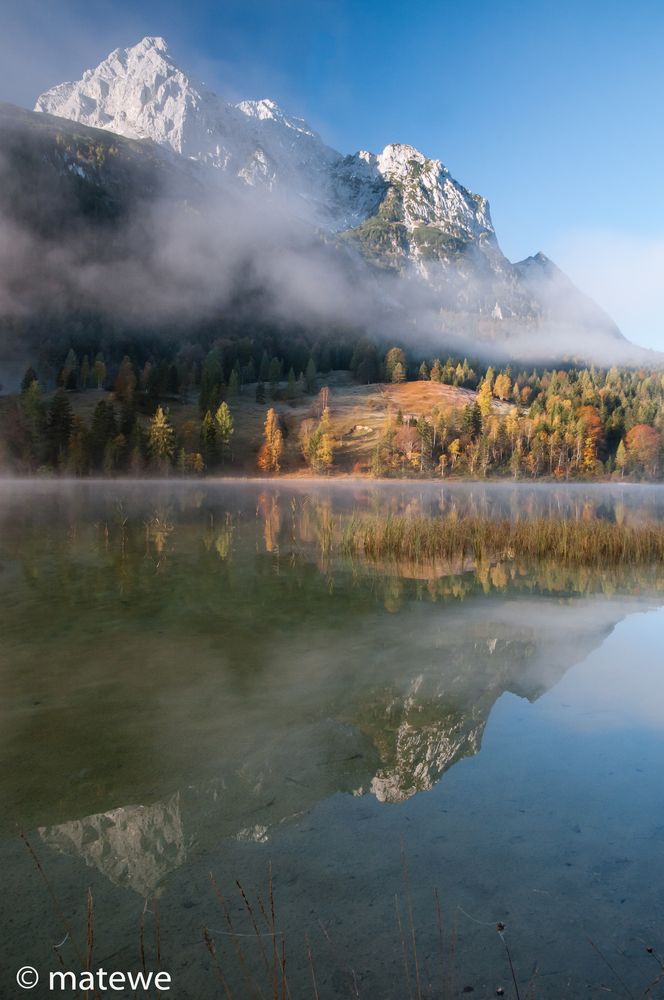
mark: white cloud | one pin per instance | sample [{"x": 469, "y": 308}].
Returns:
[{"x": 624, "y": 273}]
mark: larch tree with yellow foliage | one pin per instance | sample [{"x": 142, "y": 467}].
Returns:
[
  {"x": 161, "y": 439},
  {"x": 485, "y": 397},
  {"x": 273, "y": 444}
]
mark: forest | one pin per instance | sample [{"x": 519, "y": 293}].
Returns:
[{"x": 238, "y": 408}]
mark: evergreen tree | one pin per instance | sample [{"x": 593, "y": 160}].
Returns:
[
  {"x": 78, "y": 460},
  {"x": 99, "y": 371},
  {"x": 102, "y": 431},
  {"x": 233, "y": 385},
  {"x": 125, "y": 383},
  {"x": 274, "y": 376},
  {"x": 29, "y": 377},
  {"x": 34, "y": 415},
  {"x": 60, "y": 418},
  {"x": 395, "y": 356},
  {"x": 264, "y": 369},
  {"x": 209, "y": 443},
  {"x": 212, "y": 381},
  {"x": 310, "y": 376}
]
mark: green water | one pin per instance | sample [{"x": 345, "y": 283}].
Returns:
[{"x": 193, "y": 684}]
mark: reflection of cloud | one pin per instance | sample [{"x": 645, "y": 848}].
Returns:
[
  {"x": 621, "y": 685},
  {"x": 134, "y": 846}
]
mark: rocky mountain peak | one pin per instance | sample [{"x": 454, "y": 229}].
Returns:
[{"x": 400, "y": 209}]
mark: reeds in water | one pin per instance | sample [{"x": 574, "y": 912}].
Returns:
[{"x": 456, "y": 537}]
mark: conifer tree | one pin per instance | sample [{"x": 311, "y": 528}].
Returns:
[
  {"x": 29, "y": 377},
  {"x": 161, "y": 439},
  {"x": 310, "y": 376},
  {"x": 224, "y": 425},
  {"x": 99, "y": 371},
  {"x": 485, "y": 396},
  {"x": 270, "y": 454},
  {"x": 60, "y": 418}
]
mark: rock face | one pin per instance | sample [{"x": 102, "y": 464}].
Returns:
[
  {"x": 401, "y": 211},
  {"x": 134, "y": 846},
  {"x": 141, "y": 93}
]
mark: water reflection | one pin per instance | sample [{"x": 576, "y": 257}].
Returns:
[{"x": 194, "y": 678}]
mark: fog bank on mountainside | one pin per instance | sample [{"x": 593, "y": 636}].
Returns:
[{"x": 243, "y": 212}]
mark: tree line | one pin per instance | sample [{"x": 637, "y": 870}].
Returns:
[{"x": 564, "y": 423}]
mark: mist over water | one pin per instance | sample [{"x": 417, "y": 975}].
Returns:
[{"x": 194, "y": 684}]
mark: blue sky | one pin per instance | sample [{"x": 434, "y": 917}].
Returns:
[{"x": 550, "y": 109}]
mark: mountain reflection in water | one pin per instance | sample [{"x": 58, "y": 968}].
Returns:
[{"x": 196, "y": 682}]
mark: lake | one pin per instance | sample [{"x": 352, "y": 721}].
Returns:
[{"x": 280, "y": 771}]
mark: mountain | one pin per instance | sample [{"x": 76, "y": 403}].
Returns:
[
  {"x": 400, "y": 211},
  {"x": 392, "y": 740},
  {"x": 183, "y": 205}
]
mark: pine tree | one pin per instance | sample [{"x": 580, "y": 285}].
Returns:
[
  {"x": 99, "y": 371},
  {"x": 69, "y": 373},
  {"x": 102, "y": 430},
  {"x": 274, "y": 376},
  {"x": 125, "y": 383},
  {"x": 621, "y": 458},
  {"x": 212, "y": 381},
  {"x": 34, "y": 415},
  {"x": 209, "y": 443},
  {"x": 60, "y": 418},
  {"x": 78, "y": 458},
  {"x": 310, "y": 376},
  {"x": 29, "y": 377},
  {"x": 233, "y": 385},
  {"x": 264, "y": 369}
]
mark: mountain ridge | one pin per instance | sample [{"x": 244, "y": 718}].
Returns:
[
  {"x": 400, "y": 210},
  {"x": 388, "y": 244}
]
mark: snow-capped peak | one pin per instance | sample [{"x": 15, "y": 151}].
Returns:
[
  {"x": 138, "y": 92},
  {"x": 267, "y": 110},
  {"x": 141, "y": 92}
]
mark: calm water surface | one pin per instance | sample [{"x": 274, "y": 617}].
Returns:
[{"x": 193, "y": 684}]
